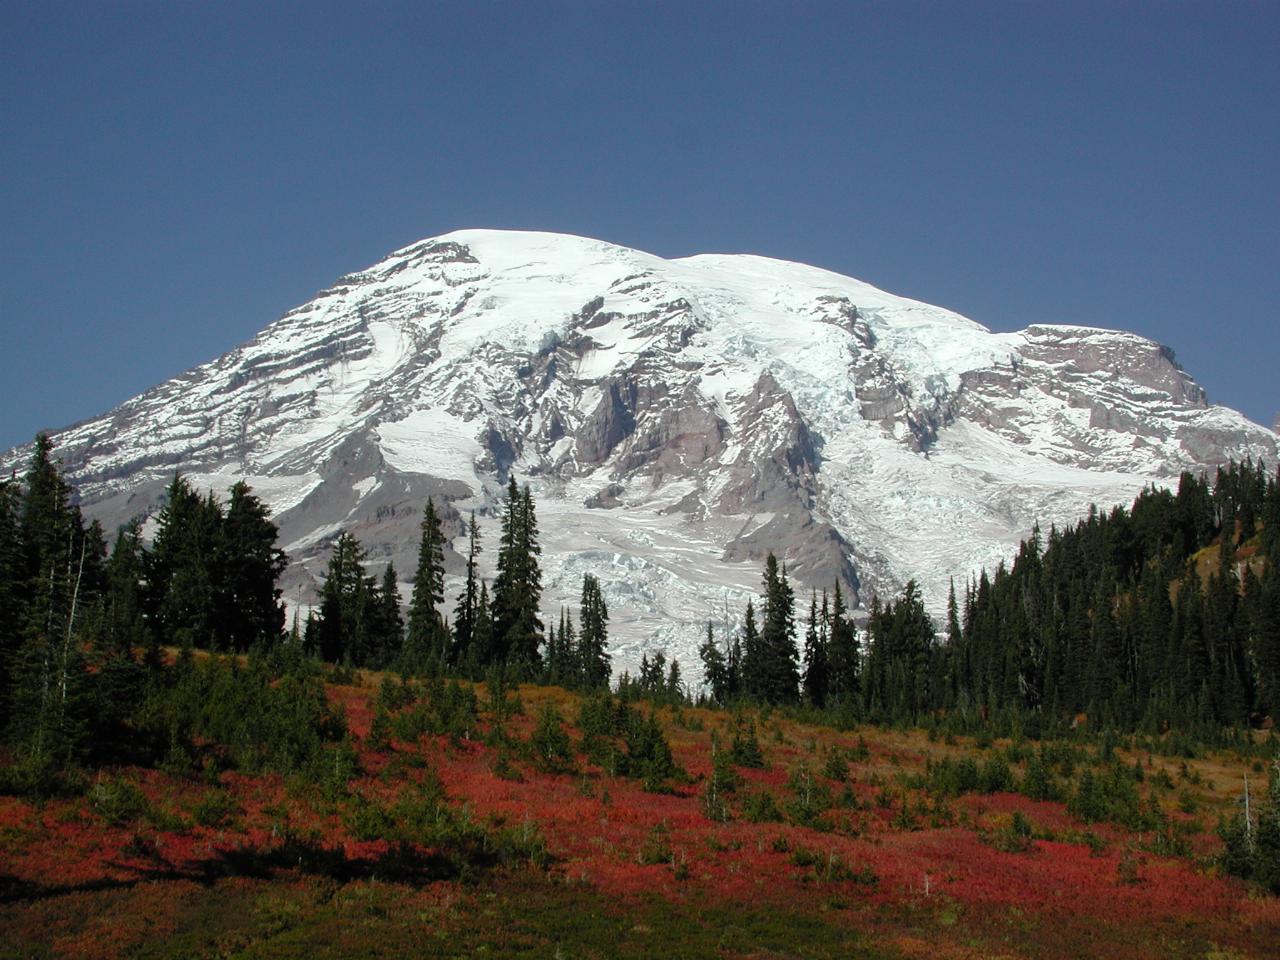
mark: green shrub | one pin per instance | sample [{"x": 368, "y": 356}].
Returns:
[
  {"x": 745, "y": 749},
  {"x": 118, "y": 801},
  {"x": 836, "y": 767},
  {"x": 760, "y": 807},
  {"x": 549, "y": 743},
  {"x": 215, "y": 809},
  {"x": 1038, "y": 783},
  {"x": 656, "y": 847}
]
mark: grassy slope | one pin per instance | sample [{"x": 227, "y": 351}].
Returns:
[{"x": 633, "y": 873}]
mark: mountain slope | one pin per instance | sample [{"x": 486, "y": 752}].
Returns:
[{"x": 676, "y": 419}]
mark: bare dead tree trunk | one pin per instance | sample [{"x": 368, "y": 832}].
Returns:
[{"x": 71, "y": 619}]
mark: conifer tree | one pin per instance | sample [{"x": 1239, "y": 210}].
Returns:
[
  {"x": 247, "y": 597},
  {"x": 390, "y": 625},
  {"x": 124, "y": 626},
  {"x": 517, "y": 588},
  {"x": 593, "y": 636},
  {"x": 733, "y": 662},
  {"x": 464, "y": 615},
  {"x": 675, "y": 682},
  {"x": 426, "y": 640},
  {"x": 715, "y": 669},
  {"x": 779, "y": 670},
  {"x": 751, "y": 669},
  {"x": 482, "y": 650},
  {"x": 816, "y": 668},
  {"x": 49, "y": 689},
  {"x": 181, "y": 571},
  {"x": 118, "y": 677},
  {"x": 842, "y": 654},
  {"x": 345, "y": 604},
  {"x": 13, "y": 593}
]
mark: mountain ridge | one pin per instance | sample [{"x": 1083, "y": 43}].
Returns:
[{"x": 676, "y": 418}]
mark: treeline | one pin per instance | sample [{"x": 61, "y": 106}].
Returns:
[
  {"x": 82, "y": 627},
  {"x": 359, "y": 622},
  {"x": 82, "y": 676},
  {"x": 1164, "y": 614}
]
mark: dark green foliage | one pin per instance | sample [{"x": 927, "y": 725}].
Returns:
[
  {"x": 517, "y": 587},
  {"x": 770, "y": 670},
  {"x": 468, "y": 654},
  {"x": 58, "y": 575},
  {"x": 836, "y": 765},
  {"x": 626, "y": 741},
  {"x": 247, "y": 600},
  {"x": 1038, "y": 782},
  {"x": 427, "y": 642},
  {"x": 13, "y": 575},
  {"x": 549, "y": 743},
  {"x": 810, "y": 798},
  {"x": 215, "y": 809},
  {"x": 658, "y": 682},
  {"x": 817, "y": 670},
  {"x": 422, "y": 818},
  {"x": 844, "y": 684},
  {"x": 715, "y": 668},
  {"x": 601, "y": 718},
  {"x": 592, "y": 654},
  {"x": 1251, "y": 837},
  {"x": 445, "y": 709},
  {"x": 899, "y": 678},
  {"x": 745, "y": 750},
  {"x": 180, "y": 567},
  {"x": 721, "y": 784},
  {"x": 579, "y": 657},
  {"x": 359, "y": 623},
  {"x": 1110, "y": 796},
  {"x": 118, "y": 801},
  {"x": 995, "y": 776},
  {"x": 256, "y": 719},
  {"x": 388, "y": 624},
  {"x": 951, "y": 778},
  {"x": 760, "y": 806},
  {"x": 1162, "y": 616}
]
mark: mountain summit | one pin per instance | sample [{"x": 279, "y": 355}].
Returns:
[{"x": 676, "y": 419}]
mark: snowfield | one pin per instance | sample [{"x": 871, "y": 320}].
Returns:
[{"x": 676, "y": 419}]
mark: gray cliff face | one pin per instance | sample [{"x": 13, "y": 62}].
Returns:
[{"x": 677, "y": 420}]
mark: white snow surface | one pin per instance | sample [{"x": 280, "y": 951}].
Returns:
[{"x": 935, "y": 445}]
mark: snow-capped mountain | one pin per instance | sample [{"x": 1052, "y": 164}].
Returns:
[{"x": 676, "y": 419}]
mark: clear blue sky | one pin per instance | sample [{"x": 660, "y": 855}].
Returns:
[{"x": 174, "y": 176}]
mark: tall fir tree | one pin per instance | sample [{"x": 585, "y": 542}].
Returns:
[
  {"x": 517, "y": 587},
  {"x": 342, "y": 631},
  {"x": 247, "y": 596},
  {"x": 779, "y": 678},
  {"x": 427, "y": 640},
  {"x": 842, "y": 653},
  {"x": 593, "y": 659},
  {"x": 181, "y": 567},
  {"x": 715, "y": 668},
  {"x": 464, "y": 615},
  {"x": 816, "y": 667},
  {"x": 50, "y": 691},
  {"x": 389, "y": 632},
  {"x": 13, "y": 590},
  {"x": 750, "y": 671}
]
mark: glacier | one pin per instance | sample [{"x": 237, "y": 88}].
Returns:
[{"x": 675, "y": 419}]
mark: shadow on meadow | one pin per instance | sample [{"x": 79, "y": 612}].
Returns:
[{"x": 397, "y": 863}]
